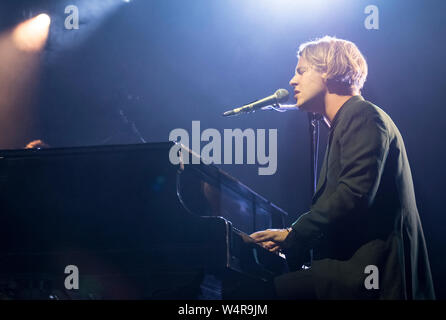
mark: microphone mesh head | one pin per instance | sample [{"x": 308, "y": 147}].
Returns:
[{"x": 282, "y": 95}]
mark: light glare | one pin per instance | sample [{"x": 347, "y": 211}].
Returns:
[{"x": 31, "y": 35}]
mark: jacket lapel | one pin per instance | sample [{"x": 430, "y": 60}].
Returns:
[{"x": 323, "y": 173}]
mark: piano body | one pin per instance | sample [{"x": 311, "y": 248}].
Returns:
[{"x": 133, "y": 225}]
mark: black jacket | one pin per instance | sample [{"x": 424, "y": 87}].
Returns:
[{"x": 363, "y": 213}]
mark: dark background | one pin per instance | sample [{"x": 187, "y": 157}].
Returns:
[{"x": 165, "y": 63}]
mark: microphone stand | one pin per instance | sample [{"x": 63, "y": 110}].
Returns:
[
  {"x": 314, "y": 126},
  {"x": 314, "y": 122},
  {"x": 132, "y": 125}
]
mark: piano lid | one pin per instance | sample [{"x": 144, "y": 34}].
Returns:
[{"x": 206, "y": 190}]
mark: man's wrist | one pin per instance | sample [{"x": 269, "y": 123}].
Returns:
[{"x": 288, "y": 241}]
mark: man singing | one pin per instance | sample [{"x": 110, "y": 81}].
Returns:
[{"x": 363, "y": 225}]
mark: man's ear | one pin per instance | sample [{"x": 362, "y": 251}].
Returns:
[
  {"x": 325, "y": 77},
  {"x": 325, "y": 80}
]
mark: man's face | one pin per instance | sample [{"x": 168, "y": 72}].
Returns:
[{"x": 309, "y": 87}]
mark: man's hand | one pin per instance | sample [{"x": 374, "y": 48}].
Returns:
[{"x": 271, "y": 239}]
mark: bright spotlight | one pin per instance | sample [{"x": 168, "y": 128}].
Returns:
[{"x": 31, "y": 35}]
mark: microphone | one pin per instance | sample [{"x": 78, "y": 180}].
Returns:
[{"x": 280, "y": 95}]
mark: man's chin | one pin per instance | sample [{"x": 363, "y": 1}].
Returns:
[
  {"x": 310, "y": 105},
  {"x": 301, "y": 105}
]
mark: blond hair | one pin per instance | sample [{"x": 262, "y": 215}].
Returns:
[{"x": 340, "y": 60}]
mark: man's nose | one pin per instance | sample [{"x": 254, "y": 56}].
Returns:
[{"x": 293, "y": 81}]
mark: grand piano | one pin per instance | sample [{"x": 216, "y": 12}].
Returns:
[{"x": 131, "y": 224}]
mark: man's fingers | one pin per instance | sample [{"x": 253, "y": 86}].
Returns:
[
  {"x": 260, "y": 236},
  {"x": 276, "y": 235},
  {"x": 257, "y": 234},
  {"x": 269, "y": 244},
  {"x": 272, "y": 247}
]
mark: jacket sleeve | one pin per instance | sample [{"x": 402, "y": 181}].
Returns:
[{"x": 364, "y": 144}]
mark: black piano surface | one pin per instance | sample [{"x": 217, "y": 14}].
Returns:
[{"x": 135, "y": 225}]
